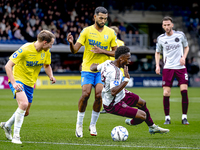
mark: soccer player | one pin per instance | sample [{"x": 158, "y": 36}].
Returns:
[
  {"x": 119, "y": 43},
  {"x": 175, "y": 49},
  {"x": 116, "y": 99},
  {"x": 22, "y": 70},
  {"x": 98, "y": 39}
]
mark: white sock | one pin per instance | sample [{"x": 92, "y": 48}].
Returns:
[
  {"x": 184, "y": 116},
  {"x": 19, "y": 118},
  {"x": 80, "y": 117},
  {"x": 167, "y": 117},
  {"x": 94, "y": 117},
  {"x": 10, "y": 122}
]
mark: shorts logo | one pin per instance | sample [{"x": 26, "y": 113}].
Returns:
[
  {"x": 163, "y": 83},
  {"x": 177, "y": 39},
  {"x": 124, "y": 105},
  {"x": 116, "y": 83},
  {"x": 15, "y": 55}
]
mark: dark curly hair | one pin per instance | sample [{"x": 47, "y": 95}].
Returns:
[{"x": 121, "y": 51}]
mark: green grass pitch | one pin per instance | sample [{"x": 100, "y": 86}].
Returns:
[{"x": 52, "y": 119}]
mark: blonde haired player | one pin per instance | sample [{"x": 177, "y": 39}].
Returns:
[{"x": 22, "y": 70}]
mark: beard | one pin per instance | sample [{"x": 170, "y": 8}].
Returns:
[
  {"x": 168, "y": 31},
  {"x": 100, "y": 26}
]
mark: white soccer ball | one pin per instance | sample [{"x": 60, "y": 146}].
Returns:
[{"x": 119, "y": 133}]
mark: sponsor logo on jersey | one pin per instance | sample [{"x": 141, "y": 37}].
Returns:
[
  {"x": 116, "y": 83},
  {"x": 97, "y": 43},
  {"x": 33, "y": 63},
  {"x": 172, "y": 47}
]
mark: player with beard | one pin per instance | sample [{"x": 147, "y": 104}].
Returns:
[
  {"x": 175, "y": 49},
  {"x": 98, "y": 39}
]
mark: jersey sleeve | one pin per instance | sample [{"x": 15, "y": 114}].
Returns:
[
  {"x": 17, "y": 56},
  {"x": 114, "y": 39},
  {"x": 184, "y": 40},
  {"x": 48, "y": 58},
  {"x": 82, "y": 37},
  {"x": 159, "y": 47}
]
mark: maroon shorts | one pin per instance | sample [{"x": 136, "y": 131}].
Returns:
[
  {"x": 169, "y": 75},
  {"x": 125, "y": 106}
]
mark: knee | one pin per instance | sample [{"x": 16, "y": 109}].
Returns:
[
  {"x": 98, "y": 97},
  {"x": 141, "y": 103},
  {"x": 86, "y": 95},
  {"x": 141, "y": 115},
  {"x": 166, "y": 93},
  {"x": 24, "y": 105}
]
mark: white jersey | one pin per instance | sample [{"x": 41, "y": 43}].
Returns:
[
  {"x": 172, "y": 47},
  {"x": 111, "y": 76}
]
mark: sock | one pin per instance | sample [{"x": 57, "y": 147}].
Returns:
[
  {"x": 167, "y": 117},
  {"x": 153, "y": 125},
  {"x": 135, "y": 121},
  {"x": 19, "y": 118},
  {"x": 166, "y": 105},
  {"x": 94, "y": 117},
  {"x": 184, "y": 116},
  {"x": 80, "y": 117},
  {"x": 185, "y": 101},
  {"x": 10, "y": 122},
  {"x": 148, "y": 120}
]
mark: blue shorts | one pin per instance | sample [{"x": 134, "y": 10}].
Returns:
[
  {"x": 90, "y": 78},
  {"x": 27, "y": 89}
]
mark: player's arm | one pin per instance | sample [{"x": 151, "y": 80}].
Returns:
[
  {"x": 98, "y": 50},
  {"x": 9, "y": 72},
  {"x": 115, "y": 90},
  {"x": 74, "y": 48},
  {"x": 157, "y": 59},
  {"x": 182, "y": 60},
  {"x": 49, "y": 72},
  {"x": 93, "y": 67}
]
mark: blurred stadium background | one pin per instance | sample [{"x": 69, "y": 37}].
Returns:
[{"x": 139, "y": 25}]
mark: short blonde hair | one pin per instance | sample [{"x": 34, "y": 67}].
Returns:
[
  {"x": 115, "y": 29},
  {"x": 45, "y": 35}
]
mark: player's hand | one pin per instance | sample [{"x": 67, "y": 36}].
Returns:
[
  {"x": 18, "y": 87},
  {"x": 70, "y": 38},
  {"x": 157, "y": 70},
  {"x": 182, "y": 61},
  {"x": 93, "y": 67},
  {"x": 126, "y": 72},
  {"x": 96, "y": 49},
  {"x": 53, "y": 80}
]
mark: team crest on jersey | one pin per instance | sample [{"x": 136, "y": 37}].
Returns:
[
  {"x": 106, "y": 37},
  {"x": 177, "y": 39},
  {"x": 116, "y": 83},
  {"x": 15, "y": 55},
  {"x": 42, "y": 55}
]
